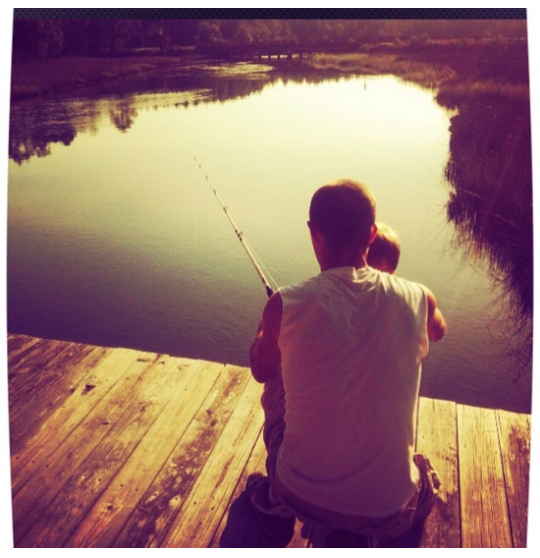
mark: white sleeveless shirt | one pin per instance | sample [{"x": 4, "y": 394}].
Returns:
[{"x": 352, "y": 343}]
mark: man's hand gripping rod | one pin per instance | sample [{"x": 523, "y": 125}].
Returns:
[{"x": 269, "y": 290}]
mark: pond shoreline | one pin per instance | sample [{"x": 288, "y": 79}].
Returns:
[{"x": 434, "y": 64}]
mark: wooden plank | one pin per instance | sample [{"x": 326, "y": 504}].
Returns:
[
  {"x": 112, "y": 510},
  {"x": 14, "y": 341},
  {"x": 48, "y": 476},
  {"x": 18, "y": 347},
  {"x": 24, "y": 346},
  {"x": 484, "y": 512},
  {"x": 42, "y": 373},
  {"x": 515, "y": 437},
  {"x": 28, "y": 368},
  {"x": 239, "y": 527},
  {"x": 210, "y": 496},
  {"x": 437, "y": 440},
  {"x": 164, "y": 500},
  {"x": 46, "y": 391},
  {"x": 95, "y": 380},
  {"x": 90, "y": 478}
]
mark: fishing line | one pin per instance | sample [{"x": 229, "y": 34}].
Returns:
[{"x": 249, "y": 251}]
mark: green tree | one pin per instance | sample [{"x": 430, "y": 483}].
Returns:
[
  {"x": 37, "y": 38},
  {"x": 303, "y": 29},
  {"x": 183, "y": 31},
  {"x": 243, "y": 34},
  {"x": 120, "y": 33},
  {"x": 160, "y": 34},
  {"x": 76, "y": 37},
  {"x": 209, "y": 33},
  {"x": 261, "y": 33}
]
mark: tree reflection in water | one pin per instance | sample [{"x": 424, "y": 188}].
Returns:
[
  {"x": 491, "y": 206},
  {"x": 36, "y": 125}
]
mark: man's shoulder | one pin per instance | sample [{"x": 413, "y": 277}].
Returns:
[
  {"x": 401, "y": 285},
  {"x": 300, "y": 293},
  {"x": 301, "y": 286}
]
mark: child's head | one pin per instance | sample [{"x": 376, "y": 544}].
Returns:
[{"x": 383, "y": 253}]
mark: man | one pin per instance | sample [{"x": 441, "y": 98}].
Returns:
[{"x": 340, "y": 356}]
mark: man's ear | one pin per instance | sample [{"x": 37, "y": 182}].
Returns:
[
  {"x": 315, "y": 232},
  {"x": 317, "y": 241}
]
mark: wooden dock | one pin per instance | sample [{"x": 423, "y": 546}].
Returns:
[{"x": 121, "y": 448}]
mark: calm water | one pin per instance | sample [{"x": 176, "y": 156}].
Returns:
[{"x": 115, "y": 238}]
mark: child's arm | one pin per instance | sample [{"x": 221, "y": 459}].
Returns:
[{"x": 436, "y": 324}]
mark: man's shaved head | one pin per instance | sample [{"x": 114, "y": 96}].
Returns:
[{"x": 344, "y": 213}]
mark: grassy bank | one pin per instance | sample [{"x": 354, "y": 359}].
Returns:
[
  {"x": 457, "y": 68},
  {"x": 453, "y": 87},
  {"x": 365, "y": 63},
  {"x": 68, "y": 73}
]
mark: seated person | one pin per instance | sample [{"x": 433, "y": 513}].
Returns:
[{"x": 340, "y": 356}]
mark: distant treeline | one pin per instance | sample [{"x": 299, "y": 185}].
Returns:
[{"x": 46, "y": 38}]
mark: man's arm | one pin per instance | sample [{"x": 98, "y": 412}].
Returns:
[
  {"x": 264, "y": 354},
  {"x": 436, "y": 324}
]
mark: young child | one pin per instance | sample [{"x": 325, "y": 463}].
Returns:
[{"x": 384, "y": 251}]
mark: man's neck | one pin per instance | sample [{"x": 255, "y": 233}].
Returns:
[{"x": 332, "y": 262}]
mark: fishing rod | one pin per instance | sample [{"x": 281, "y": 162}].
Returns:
[{"x": 239, "y": 234}]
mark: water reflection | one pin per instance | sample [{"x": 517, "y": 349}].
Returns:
[
  {"x": 33, "y": 131},
  {"x": 491, "y": 205},
  {"x": 36, "y": 125}
]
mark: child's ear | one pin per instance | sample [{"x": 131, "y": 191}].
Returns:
[{"x": 373, "y": 233}]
